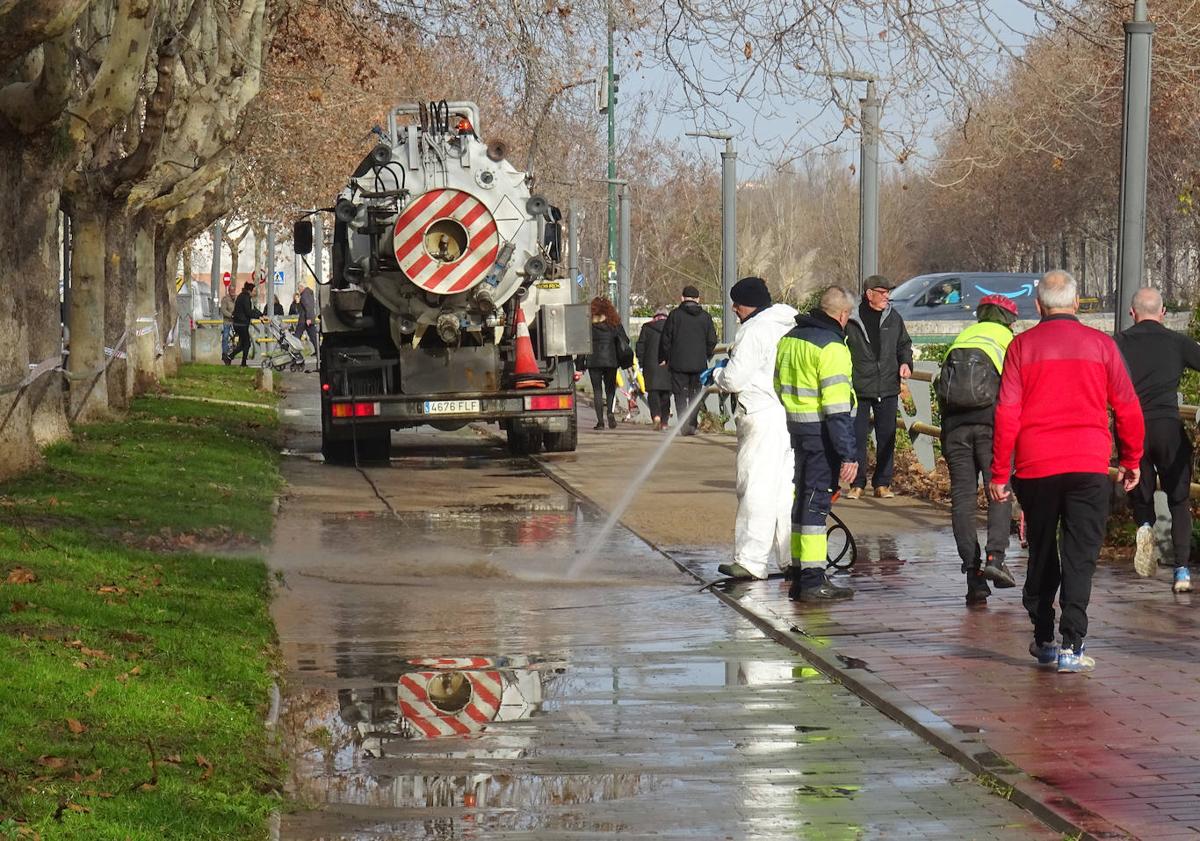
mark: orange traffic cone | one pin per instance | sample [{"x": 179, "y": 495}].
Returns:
[{"x": 525, "y": 368}]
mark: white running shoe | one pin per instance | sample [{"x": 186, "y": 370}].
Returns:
[{"x": 1144, "y": 561}]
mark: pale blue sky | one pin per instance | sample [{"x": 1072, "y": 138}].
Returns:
[{"x": 771, "y": 129}]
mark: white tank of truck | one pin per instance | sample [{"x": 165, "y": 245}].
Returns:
[{"x": 447, "y": 301}]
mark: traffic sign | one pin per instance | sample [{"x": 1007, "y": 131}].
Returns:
[{"x": 279, "y": 277}]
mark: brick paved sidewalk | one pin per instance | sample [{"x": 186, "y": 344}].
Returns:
[
  {"x": 1121, "y": 742},
  {"x": 1115, "y": 752}
]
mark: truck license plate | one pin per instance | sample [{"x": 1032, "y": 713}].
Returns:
[{"x": 451, "y": 407}]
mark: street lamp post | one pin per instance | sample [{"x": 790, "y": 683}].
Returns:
[
  {"x": 573, "y": 249},
  {"x": 1135, "y": 143},
  {"x": 625, "y": 255},
  {"x": 868, "y": 197},
  {"x": 620, "y": 285},
  {"x": 868, "y": 176},
  {"x": 728, "y": 227}
]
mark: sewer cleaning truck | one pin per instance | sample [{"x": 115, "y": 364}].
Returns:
[{"x": 447, "y": 301}]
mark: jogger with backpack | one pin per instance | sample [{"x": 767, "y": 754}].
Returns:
[{"x": 967, "y": 389}]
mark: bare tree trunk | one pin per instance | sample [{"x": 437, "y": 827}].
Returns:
[
  {"x": 166, "y": 257},
  {"x": 119, "y": 316},
  {"x": 89, "y": 386},
  {"x": 145, "y": 339},
  {"x": 44, "y": 317},
  {"x": 28, "y": 216}
]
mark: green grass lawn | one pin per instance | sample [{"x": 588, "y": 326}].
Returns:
[{"x": 135, "y": 641}]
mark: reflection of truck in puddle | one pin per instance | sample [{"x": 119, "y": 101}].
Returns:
[{"x": 452, "y": 699}]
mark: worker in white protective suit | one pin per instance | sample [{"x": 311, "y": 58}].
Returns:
[{"x": 764, "y": 451}]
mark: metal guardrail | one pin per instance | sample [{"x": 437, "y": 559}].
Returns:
[{"x": 925, "y": 427}]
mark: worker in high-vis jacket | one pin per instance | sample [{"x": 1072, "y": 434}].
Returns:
[
  {"x": 812, "y": 378},
  {"x": 967, "y": 389}
]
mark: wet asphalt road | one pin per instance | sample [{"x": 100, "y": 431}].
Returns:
[{"x": 444, "y": 680}]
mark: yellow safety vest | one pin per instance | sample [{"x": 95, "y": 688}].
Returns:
[{"x": 987, "y": 336}]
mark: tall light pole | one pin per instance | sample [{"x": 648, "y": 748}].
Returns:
[
  {"x": 868, "y": 176},
  {"x": 611, "y": 109},
  {"x": 1135, "y": 145},
  {"x": 620, "y": 295},
  {"x": 728, "y": 228},
  {"x": 573, "y": 249}
]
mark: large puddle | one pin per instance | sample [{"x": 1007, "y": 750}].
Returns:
[{"x": 446, "y": 680}]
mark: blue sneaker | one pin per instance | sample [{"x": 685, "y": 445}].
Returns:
[
  {"x": 1183, "y": 581},
  {"x": 1072, "y": 661},
  {"x": 1046, "y": 653}
]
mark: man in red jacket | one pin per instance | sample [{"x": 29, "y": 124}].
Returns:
[{"x": 1059, "y": 379}]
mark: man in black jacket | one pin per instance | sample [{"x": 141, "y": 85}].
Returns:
[
  {"x": 882, "y": 355},
  {"x": 688, "y": 340},
  {"x": 657, "y": 377},
  {"x": 1156, "y": 358},
  {"x": 244, "y": 312}
]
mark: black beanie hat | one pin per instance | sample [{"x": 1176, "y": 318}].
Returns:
[{"x": 751, "y": 292}]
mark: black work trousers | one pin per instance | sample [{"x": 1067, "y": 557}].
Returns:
[
  {"x": 879, "y": 412},
  {"x": 604, "y": 390},
  {"x": 309, "y": 330},
  {"x": 686, "y": 387},
  {"x": 968, "y": 452},
  {"x": 660, "y": 404},
  {"x": 1167, "y": 460},
  {"x": 1078, "y": 504},
  {"x": 242, "y": 343}
]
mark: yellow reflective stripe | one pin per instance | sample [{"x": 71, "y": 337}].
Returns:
[
  {"x": 804, "y": 417},
  {"x": 834, "y": 380},
  {"x": 836, "y": 408},
  {"x": 809, "y": 548},
  {"x": 799, "y": 392}
]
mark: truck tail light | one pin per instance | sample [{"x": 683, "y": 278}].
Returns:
[
  {"x": 551, "y": 402},
  {"x": 354, "y": 410}
]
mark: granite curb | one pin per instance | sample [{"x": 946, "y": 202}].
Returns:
[{"x": 993, "y": 771}]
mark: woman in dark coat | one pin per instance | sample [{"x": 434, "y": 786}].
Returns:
[
  {"x": 601, "y": 364},
  {"x": 658, "y": 377}
]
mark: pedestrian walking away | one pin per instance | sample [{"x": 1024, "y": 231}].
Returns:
[
  {"x": 967, "y": 389},
  {"x": 228, "y": 301},
  {"x": 244, "y": 312},
  {"x": 1157, "y": 357},
  {"x": 1059, "y": 380},
  {"x": 609, "y": 343},
  {"x": 306, "y": 318},
  {"x": 657, "y": 377},
  {"x": 687, "y": 344},
  {"x": 882, "y": 353},
  {"x": 764, "y": 476},
  {"x": 812, "y": 379}
]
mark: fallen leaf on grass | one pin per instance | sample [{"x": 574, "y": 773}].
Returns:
[
  {"x": 111, "y": 588},
  {"x": 147, "y": 787},
  {"x": 88, "y": 652},
  {"x": 52, "y": 762},
  {"x": 65, "y": 806},
  {"x": 18, "y": 607},
  {"x": 20, "y": 575},
  {"x": 203, "y": 762},
  {"x": 91, "y": 693},
  {"x": 76, "y": 726},
  {"x": 173, "y": 758}
]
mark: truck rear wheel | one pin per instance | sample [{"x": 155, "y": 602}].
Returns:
[
  {"x": 563, "y": 442},
  {"x": 373, "y": 448},
  {"x": 524, "y": 442}
]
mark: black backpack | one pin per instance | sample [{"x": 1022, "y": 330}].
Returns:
[{"x": 968, "y": 380}]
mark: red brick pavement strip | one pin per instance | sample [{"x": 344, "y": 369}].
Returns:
[
  {"x": 766, "y": 604},
  {"x": 1114, "y": 752}
]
